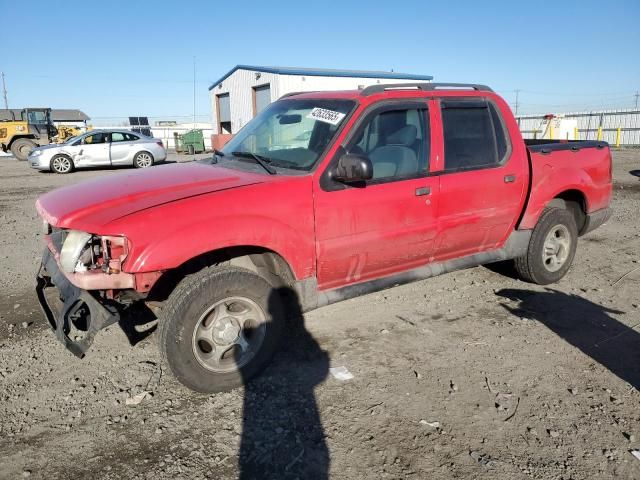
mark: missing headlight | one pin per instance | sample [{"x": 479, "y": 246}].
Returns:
[{"x": 74, "y": 243}]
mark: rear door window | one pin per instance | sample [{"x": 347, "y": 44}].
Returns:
[
  {"x": 123, "y": 137},
  {"x": 474, "y": 135}
]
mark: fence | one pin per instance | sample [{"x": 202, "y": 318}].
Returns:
[{"x": 618, "y": 127}]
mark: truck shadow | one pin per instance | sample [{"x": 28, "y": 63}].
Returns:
[
  {"x": 635, "y": 173},
  {"x": 136, "y": 316},
  {"x": 585, "y": 325},
  {"x": 282, "y": 434}
]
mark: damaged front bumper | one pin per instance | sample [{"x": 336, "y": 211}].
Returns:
[{"x": 82, "y": 312}]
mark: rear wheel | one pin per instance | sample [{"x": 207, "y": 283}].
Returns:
[
  {"x": 22, "y": 147},
  {"x": 61, "y": 164},
  {"x": 551, "y": 248},
  {"x": 143, "y": 160},
  {"x": 220, "y": 327}
]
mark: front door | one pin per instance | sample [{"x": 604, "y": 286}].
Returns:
[
  {"x": 483, "y": 185},
  {"x": 387, "y": 224},
  {"x": 94, "y": 150}
]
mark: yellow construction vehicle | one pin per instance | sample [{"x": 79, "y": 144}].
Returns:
[
  {"x": 33, "y": 129},
  {"x": 65, "y": 132}
]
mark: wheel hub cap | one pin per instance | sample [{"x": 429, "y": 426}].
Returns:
[
  {"x": 226, "y": 331},
  {"x": 229, "y": 334},
  {"x": 557, "y": 246}
]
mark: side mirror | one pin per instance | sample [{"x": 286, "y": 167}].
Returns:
[{"x": 353, "y": 168}]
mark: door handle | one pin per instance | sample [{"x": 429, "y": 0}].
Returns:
[
  {"x": 509, "y": 178},
  {"x": 423, "y": 191}
]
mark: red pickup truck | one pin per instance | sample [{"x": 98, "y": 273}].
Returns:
[{"x": 326, "y": 195}]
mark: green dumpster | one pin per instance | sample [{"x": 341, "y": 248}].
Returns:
[{"x": 190, "y": 142}]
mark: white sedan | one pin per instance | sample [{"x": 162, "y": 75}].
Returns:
[{"x": 99, "y": 148}]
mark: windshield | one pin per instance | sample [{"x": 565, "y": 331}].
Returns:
[{"x": 291, "y": 133}]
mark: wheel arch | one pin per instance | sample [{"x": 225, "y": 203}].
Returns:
[
  {"x": 144, "y": 151},
  {"x": 18, "y": 137},
  {"x": 62, "y": 154},
  {"x": 573, "y": 200},
  {"x": 265, "y": 262}
]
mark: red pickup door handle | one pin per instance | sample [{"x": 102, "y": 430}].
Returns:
[
  {"x": 509, "y": 178},
  {"x": 423, "y": 191}
]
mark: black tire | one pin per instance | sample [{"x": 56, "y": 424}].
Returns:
[
  {"x": 22, "y": 147},
  {"x": 534, "y": 267},
  {"x": 182, "y": 317},
  {"x": 61, "y": 164},
  {"x": 143, "y": 160}
]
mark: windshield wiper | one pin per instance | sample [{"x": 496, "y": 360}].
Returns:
[{"x": 260, "y": 160}]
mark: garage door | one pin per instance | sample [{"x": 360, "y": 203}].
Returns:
[{"x": 262, "y": 97}]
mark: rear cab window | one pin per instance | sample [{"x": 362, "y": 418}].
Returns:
[{"x": 474, "y": 134}]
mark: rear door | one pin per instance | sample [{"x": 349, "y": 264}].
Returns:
[
  {"x": 121, "y": 147},
  {"x": 387, "y": 224},
  {"x": 483, "y": 185}
]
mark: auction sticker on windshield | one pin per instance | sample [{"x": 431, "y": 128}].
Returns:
[{"x": 327, "y": 116}]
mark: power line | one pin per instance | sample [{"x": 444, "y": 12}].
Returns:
[
  {"x": 637, "y": 95},
  {"x": 517, "y": 104}
]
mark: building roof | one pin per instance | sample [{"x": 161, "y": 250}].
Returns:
[
  {"x": 57, "y": 115},
  {"x": 324, "y": 72}
]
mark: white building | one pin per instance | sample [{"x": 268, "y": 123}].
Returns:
[{"x": 245, "y": 90}]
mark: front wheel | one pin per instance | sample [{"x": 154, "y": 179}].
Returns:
[
  {"x": 220, "y": 327},
  {"x": 551, "y": 248},
  {"x": 61, "y": 164},
  {"x": 143, "y": 160}
]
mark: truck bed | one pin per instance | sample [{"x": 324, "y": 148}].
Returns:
[{"x": 581, "y": 169}]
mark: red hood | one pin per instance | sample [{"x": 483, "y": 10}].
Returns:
[{"x": 92, "y": 204}]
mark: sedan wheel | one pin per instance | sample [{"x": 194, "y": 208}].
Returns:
[
  {"x": 143, "y": 160},
  {"x": 61, "y": 164}
]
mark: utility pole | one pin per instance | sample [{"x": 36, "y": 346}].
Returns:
[
  {"x": 6, "y": 102},
  {"x": 636, "y": 95},
  {"x": 517, "y": 104},
  {"x": 194, "y": 92}
]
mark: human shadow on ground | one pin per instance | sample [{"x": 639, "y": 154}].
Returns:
[
  {"x": 282, "y": 434},
  {"x": 585, "y": 325}
]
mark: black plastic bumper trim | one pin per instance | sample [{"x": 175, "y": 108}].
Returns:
[{"x": 101, "y": 314}]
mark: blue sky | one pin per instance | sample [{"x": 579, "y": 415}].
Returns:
[{"x": 115, "y": 59}]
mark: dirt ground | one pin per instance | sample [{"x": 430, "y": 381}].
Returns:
[{"x": 469, "y": 375}]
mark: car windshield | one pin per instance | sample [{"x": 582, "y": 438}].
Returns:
[{"x": 291, "y": 133}]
